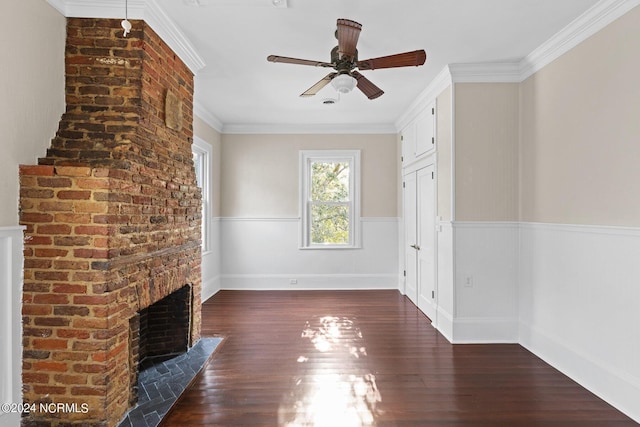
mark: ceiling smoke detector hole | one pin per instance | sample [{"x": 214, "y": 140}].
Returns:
[{"x": 329, "y": 101}]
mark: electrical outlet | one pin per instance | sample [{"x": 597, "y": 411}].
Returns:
[{"x": 293, "y": 281}]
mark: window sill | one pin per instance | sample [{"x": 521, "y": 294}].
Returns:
[{"x": 329, "y": 248}]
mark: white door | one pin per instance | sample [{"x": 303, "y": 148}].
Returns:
[
  {"x": 420, "y": 255},
  {"x": 426, "y": 241},
  {"x": 410, "y": 236}
]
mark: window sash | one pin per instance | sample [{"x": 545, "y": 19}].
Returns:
[
  {"x": 202, "y": 153},
  {"x": 307, "y": 158},
  {"x": 349, "y": 226}
]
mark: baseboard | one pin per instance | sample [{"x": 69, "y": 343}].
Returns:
[
  {"x": 578, "y": 306},
  {"x": 444, "y": 324},
  {"x": 619, "y": 389},
  {"x": 308, "y": 281},
  {"x": 210, "y": 287},
  {"x": 485, "y": 331}
]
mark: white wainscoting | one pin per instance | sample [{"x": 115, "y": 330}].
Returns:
[
  {"x": 580, "y": 306},
  {"x": 485, "y": 282},
  {"x": 445, "y": 290},
  {"x": 11, "y": 264},
  {"x": 264, "y": 253},
  {"x": 211, "y": 268}
]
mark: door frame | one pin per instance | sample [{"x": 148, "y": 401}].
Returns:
[{"x": 426, "y": 161}]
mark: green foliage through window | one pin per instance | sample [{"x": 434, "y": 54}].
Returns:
[{"x": 330, "y": 202}]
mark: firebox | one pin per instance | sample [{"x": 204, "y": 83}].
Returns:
[{"x": 158, "y": 333}]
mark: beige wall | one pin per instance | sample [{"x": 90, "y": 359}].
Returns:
[
  {"x": 581, "y": 132},
  {"x": 32, "y": 39},
  {"x": 486, "y": 151},
  {"x": 443, "y": 130},
  {"x": 260, "y": 173}
]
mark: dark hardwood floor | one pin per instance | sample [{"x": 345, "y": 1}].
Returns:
[{"x": 367, "y": 358}]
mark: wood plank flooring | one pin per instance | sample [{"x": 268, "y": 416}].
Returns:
[{"x": 367, "y": 358}]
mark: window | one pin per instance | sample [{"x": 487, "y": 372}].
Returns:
[
  {"x": 202, "y": 153},
  {"x": 330, "y": 205}
]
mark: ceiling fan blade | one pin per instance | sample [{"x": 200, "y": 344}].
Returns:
[
  {"x": 407, "y": 59},
  {"x": 286, "y": 60},
  {"x": 316, "y": 87},
  {"x": 364, "y": 84},
  {"x": 348, "y": 34}
]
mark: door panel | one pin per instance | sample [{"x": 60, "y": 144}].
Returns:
[
  {"x": 410, "y": 236},
  {"x": 426, "y": 241}
]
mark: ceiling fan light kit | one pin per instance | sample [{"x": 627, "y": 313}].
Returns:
[
  {"x": 343, "y": 83},
  {"x": 279, "y": 3},
  {"x": 344, "y": 60},
  {"x": 126, "y": 24}
]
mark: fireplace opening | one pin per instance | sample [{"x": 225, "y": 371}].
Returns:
[{"x": 158, "y": 333}]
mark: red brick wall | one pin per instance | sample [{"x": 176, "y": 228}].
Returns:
[{"x": 113, "y": 220}]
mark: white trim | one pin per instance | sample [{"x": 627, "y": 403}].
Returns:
[
  {"x": 11, "y": 279},
  {"x": 308, "y": 281},
  {"x": 162, "y": 24},
  {"x": 353, "y": 158},
  {"x": 296, "y": 219},
  {"x": 211, "y": 287},
  {"x": 321, "y": 128},
  {"x": 425, "y": 98},
  {"x": 487, "y": 72},
  {"x": 444, "y": 325},
  {"x": 598, "y": 376},
  {"x": 208, "y": 117},
  {"x": 613, "y": 230},
  {"x": 578, "y": 282},
  {"x": 485, "y": 330},
  {"x": 589, "y": 23},
  {"x": 147, "y": 10},
  {"x": 593, "y": 20},
  {"x": 201, "y": 148}
]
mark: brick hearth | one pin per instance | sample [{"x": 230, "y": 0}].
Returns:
[{"x": 112, "y": 216}]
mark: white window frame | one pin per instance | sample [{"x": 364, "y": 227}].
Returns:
[
  {"x": 307, "y": 157},
  {"x": 202, "y": 154}
]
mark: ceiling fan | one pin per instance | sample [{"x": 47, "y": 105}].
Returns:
[{"x": 344, "y": 60}]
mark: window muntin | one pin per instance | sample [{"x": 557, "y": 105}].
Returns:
[{"x": 330, "y": 203}]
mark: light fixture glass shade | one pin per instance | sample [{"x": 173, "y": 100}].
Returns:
[
  {"x": 126, "y": 26},
  {"x": 343, "y": 83}
]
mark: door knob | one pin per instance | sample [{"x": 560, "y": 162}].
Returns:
[{"x": 416, "y": 247}]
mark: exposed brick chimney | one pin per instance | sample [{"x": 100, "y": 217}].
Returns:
[{"x": 112, "y": 216}]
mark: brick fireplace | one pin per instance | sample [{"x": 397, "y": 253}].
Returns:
[{"x": 112, "y": 216}]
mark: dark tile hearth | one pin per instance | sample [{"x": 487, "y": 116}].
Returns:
[{"x": 160, "y": 385}]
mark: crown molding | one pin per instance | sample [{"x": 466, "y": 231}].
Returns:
[
  {"x": 294, "y": 128},
  {"x": 208, "y": 117},
  {"x": 426, "y": 97},
  {"x": 147, "y": 10},
  {"x": 590, "y": 22},
  {"x": 489, "y": 72}
]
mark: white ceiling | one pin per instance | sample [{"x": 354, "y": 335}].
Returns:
[{"x": 238, "y": 87}]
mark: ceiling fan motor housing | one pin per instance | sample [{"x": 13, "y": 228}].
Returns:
[{"x": 345, "y": 64}]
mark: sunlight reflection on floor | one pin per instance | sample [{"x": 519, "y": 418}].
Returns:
[{"x": 343, "y": 394}]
